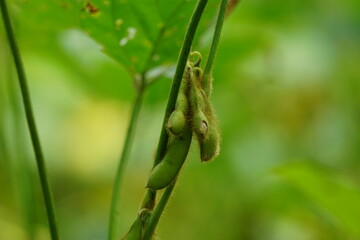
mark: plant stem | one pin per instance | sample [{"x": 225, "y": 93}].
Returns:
[
  {"x": 114, "y": 220},
  {"x": 184, "y": 54},
  {"x": 31, "y": 123},
  {"x": 155, "y": 216},
  {"x": 215, "y": 44}
]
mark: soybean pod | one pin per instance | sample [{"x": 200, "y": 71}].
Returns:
[
  {"x": 198, "y": 106},
  {"x": 167, "y": 170},
  {"x": 210, "y": 147},
  {"x": 177, "y": 119}
]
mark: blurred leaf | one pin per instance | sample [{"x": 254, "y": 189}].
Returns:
[
  {"x": 142, "y": 34},
  {"x": 329, "y": 190}
]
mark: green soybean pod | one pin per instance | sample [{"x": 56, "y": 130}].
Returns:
[
  {"x": 182, "y": 103},
  {"x": 207, "y": 84},
  {"x": 167, "y": 170},
  {"x": 197, "y": 102},
  {"x": 210, "y": 147},
  {"x": 176, "y": 122}
]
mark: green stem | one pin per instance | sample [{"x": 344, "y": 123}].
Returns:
[
  {"x": 31, "y": 122},
  {"x": 184, "y": 54},
  {"x": 114, "y": 220},
  {"x": 214, "y": 45},
  {"x": 155, "y": 216}
]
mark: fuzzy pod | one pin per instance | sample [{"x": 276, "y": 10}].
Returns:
[
  {"x": 167, "y": 170},
  {"x": 210, "y": 147},
  {"x": 200, "y": 124},
  {"x": 176, "y": 122},
  {"x": 206, "y": 84},
  {"x": 182, "y": 103},
  {"x": 198, "y": 106}
]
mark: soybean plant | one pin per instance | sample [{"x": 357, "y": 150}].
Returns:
[{"x": 189, "y": 112}]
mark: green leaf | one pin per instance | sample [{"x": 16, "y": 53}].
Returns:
[
  {"x": 330, "y": 191},
  {"x": 142, "y": 34}
]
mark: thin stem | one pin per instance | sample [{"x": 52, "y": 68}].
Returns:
[
  {"x": 114, "y": 220},
  {"x": 184, "y": 54},
  {"x": 215, "y": 44},
  {"x": 31, "y": 123},
  {"x": 155, "y": 216}
]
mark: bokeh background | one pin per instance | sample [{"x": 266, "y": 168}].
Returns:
[{"x": 286, "y": 91}]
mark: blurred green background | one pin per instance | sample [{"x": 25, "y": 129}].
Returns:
[{"x": 286, "y": 91}]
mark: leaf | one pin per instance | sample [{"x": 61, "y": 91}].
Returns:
[
  {"x": 329, "y": 190},
  {"x": 142, "y": 34}
]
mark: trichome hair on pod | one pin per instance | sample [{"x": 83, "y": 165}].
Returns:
[
  {"x": 197, "y": 103},
  {"x": 204, "y": 121}
]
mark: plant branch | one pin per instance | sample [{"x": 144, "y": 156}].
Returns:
[
  {"x": 155, "y": 216},
  {"x": 31, "y": 122},
  {"x": 114, "y": 220},
  {"x": 215, "y": 43}
]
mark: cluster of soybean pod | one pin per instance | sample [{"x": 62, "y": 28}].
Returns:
[{"x": 193, "y": 114}]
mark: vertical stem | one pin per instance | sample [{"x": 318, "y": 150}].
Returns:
[
  {"x": 31, "y": 122},
  {"x": 155, "y": 216},
  {"x": 114, "y": 220},
  {"x": 215, "y": 44},
  {"x": 17, "y": 164},
  {"x": 184, "y": 54}
]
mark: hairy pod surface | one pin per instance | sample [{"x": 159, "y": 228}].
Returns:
[
  {"x": 210, "y": 147},
  {"x": 176, "y": 122},
  {"x": 182, "y": 103},
  {"x": 198, "y": 105},
  {"x": 200, "y": 124},
  {"x": 206, "y": 84},
  {"x": 167, "y": 170}
]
